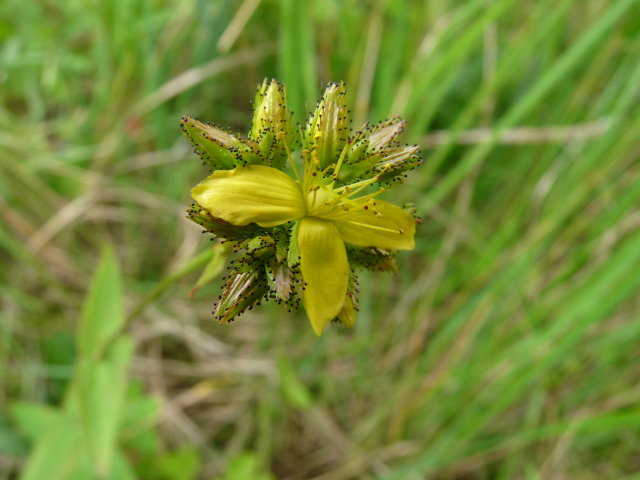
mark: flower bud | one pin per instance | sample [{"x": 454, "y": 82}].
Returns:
[
  {"x": 375, "y": 152},
  {"x": 218, "y": 148},
  {"x": 242, "y": 291},
  {"x": 247, "y": 284},
  {"x": 328, "y": 129},
  {"x": 384, "y": 133},
  {"x": 271, "y": 127},
  {"x": 391, "y": 164}
]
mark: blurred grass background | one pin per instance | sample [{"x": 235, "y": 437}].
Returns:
[{"x": 507, "y": 347}]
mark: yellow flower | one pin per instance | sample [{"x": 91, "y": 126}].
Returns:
[
  {"x": 327, "y": 217},
  {"x": 330, "y": 204}
]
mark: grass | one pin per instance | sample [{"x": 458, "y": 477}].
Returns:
[{"x": 507, "y": 346}]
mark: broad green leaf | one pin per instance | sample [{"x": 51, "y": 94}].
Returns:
[
  {"x": 33, "y": 418},
  {"x": 60, "y": 453},
  {"x": 102, "y": 315},
  {"x": 138, "y": 419},
  {"x": 101, "y": 392},
  {"x": 181, "y": 464},
  {"x": 293, "y": 389},
  {"x": 244, "y": 466},
  {"x": 12, "y": 443},
  {"x": 121, "y": 470},
  {"x": 57, "y": 453}
]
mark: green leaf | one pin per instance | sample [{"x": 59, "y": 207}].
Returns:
[
  {"x": 60, "y": 454},
  {"x": 57, "y": 453},
  {"x": 138, "y": 419},
  {"x": 181, "y": 464},
  {"x": 246, "y": 465},
  {"x": 12, "y": 443},
  {"x": 102, "y": 315},
  {"x": 220, "y": 253},
  {"x": 293, "y": 389},
  {"x": 34, "y": 418},
  {"x": 121, "y": 470},
  {"x": 101, "y": 392}
]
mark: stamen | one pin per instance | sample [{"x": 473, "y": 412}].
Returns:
[
  {"x": 282, "y": 135},
  {"x": 374, "y": 227},
  {"x": 358, "y": 203},
  {"x": 324, "y": 172},
  {"x": 310, "y": 168},
  {"x": 359, "y": 189},
  {"x": 365, "y": 183},
  {"x": 305, "y": 173},
  {"x": 343, "y": 154},
  {"x": 314, "y": 189},
  {"x": 315, "y": 161},
  {"x": 370, "y": 195},
  {"x": 348, "y": 193}
]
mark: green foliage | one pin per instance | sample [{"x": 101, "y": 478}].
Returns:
[
  {"x": 102, "y": 315},
  {"x": 245, "y": 465},
  {"x": 506, "y": 347},
  {"x": 294, "y": 391},
  {"x": 81, "y": 439}
]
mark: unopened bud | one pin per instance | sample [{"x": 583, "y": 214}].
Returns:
[
  {"x": 242, "y": 291},
  {"x": 328, "y": 129},
  {"x": 218, "y": 148},
  {"x": 271, "y": 127}
]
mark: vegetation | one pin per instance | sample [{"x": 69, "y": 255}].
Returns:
[{"x": 505, "y": 348}]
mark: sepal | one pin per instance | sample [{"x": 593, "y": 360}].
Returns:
[
  {"x": 218, "y": 148},
  {"x": 220, "y": 228},
  {"x": 374, "y": 259},
  {"x": 350, "y": 308}
]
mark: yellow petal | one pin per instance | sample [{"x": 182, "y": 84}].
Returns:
[
  {"x": 378, "y": 224},
  {"x": 252, "y": 194},
  {"x": 325, "y": 270}
]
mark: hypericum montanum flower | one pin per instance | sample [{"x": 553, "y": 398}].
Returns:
[{"x": 300, "y": 218}]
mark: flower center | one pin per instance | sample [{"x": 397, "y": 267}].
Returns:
[{"x": 321, "y": 201}]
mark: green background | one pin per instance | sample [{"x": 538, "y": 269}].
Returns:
[{"x": 506, "y": 348}]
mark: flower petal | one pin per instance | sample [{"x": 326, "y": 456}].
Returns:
[
  {"x": 252, "y": 194},
  {"x": 378, "y": 224},
  {"x": 325, "y": 270}
]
